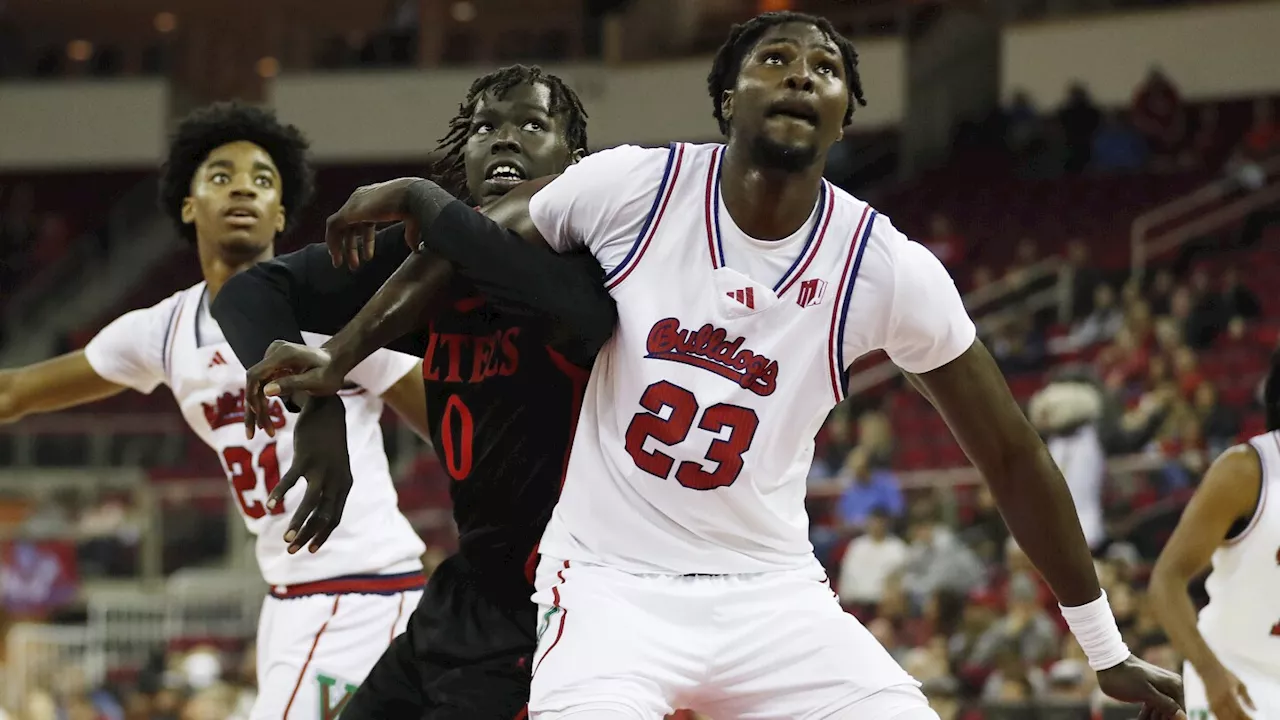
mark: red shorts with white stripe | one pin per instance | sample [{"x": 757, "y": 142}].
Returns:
[{"x": 768, "y": 645}]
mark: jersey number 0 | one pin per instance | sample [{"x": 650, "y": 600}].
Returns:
[{"x": 726, "y": 453}]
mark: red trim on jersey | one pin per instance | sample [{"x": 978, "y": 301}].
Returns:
[
  {"x": 555, "y": 598},
  {"x": 523, "y": 714},
  {"x": 1262, "y": 496},
  {"x": 708, "y": 207},
  {"x": 813, "y": 251},
  {"x": 353, "y": 585},
  {"x": 466, "y": 305},
  {"x": 394, "y": 623},
  {"x": 303, "y": 672},
  {"x": 836, "y": 388},
  {"x": 657, "y": 220},
  {"x": 578, "y": 377}
]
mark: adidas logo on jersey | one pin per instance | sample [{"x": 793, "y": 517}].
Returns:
[
  {"x": 217, "y": 359},
  {"x": 710, "y": 349},
  {"x": 746, "y": 297}
]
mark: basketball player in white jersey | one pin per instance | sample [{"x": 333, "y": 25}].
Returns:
[
  {"x": 1232, "y": 668},
  {"x": 676, "y": 570},
  {"x": 235, "y": 178}
]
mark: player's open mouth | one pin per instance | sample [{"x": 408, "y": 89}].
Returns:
[
  {"x": 505, "y": 174},
  {"x": 241, "y": 216}
]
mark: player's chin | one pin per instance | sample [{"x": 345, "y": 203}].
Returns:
[
  {"x": 244, "y": 242},
  {"x": 789, "y": 153}
]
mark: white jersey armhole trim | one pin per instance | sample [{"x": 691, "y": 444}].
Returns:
[
  {"x": 1263, "y": 482},
  {"x": 675, "y": 157},
  {"x": 171, "y": 337},
  {"x": 844, "y": 293}
]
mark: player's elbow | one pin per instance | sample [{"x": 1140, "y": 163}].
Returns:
[{"x": 1168, "y": 577}]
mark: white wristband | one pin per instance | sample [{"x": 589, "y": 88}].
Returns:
[{"x": 1095, "y": 629}]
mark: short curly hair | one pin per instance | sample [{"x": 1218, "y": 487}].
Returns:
[
  {"x": 213, "y": 126},
  {"x": 744, "y": 36}
]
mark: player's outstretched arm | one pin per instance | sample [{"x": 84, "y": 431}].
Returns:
[
  {"x": 512, "y": 265},
  {"x": 971, "y": 395},
  {"x": 303, "y": 291},
  {"x": 1227, "y": 495},
  {"x": 56, "y": 384}
]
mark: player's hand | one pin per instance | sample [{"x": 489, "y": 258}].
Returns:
[
  {"x": 349, "y": 232},
  {"x": 320, "y": 456},
  {"x": 1157, "y": 690},
  {"x": 286, "y": 370},
  {"x": 1228, "y": 697}
]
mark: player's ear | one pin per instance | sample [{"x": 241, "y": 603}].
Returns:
[
  {"x": 577, "y": 155},
  {"x": 280, "y": 220},
  {"x": 726, "y": 105},
  {"x": 188, "y": 211}
]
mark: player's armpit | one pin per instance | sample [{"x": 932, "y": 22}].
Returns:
[
  {"x": 1228, "y": 493},
  {"x": 56, "y": 384},
  {"x": 972, "y": 396},
  {"x": 408, "y": 398}
]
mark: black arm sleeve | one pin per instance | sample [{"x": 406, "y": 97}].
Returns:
[
  {"x": 567, "y": 288},
  {"x": 280, "y": 298}
]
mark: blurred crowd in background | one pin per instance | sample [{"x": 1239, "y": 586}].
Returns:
[{"x": 1161, "y": 369}]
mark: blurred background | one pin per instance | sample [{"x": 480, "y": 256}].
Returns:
[{"x": 1100, "y": 176}]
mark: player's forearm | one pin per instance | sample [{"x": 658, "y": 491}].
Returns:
[
  {"x": 507, "y": 268},
  {"x": 302, "y": 291},
  {"x": 401, "y": 306},
  {"x": 55, "y": 384},
  {"x": 1173, "y": 608}
]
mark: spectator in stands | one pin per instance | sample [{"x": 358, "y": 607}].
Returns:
[
  {"x": 869, "y": 561},
  {"x": 1160, "y": 294},
  {"x": 1159, "y": 114},
  {"x": 1080, "y": 120},
  {"x": 1022, "y": 124},
  {"x": 938, "y": 560},
  {"x": 947, "y": 244},
  {"x": 1196, "y": 317},
  {"x": 875, "y": 438},
  {"x": 1237, "y": 299},
  {"x": 1186, "y": 371},
  {"x": 1118, "y": 147},
  {"x": 944, "y": 696},
  {"x": 1084, "y": 279},
  {"x": 1025, "y": 627},
  {"x": 1069, "y": 681},
  {"x": 1103, "y": 322},
  {"x": 1067, "y": 415},
  {"x": 867, "y": 490}
]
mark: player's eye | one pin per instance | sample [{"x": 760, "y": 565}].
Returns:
[
  {"x": 827, "y": 68},
  {"x": 264, "y": 181},
  {"x": 773, "y": 57},
  {"x": 482, "y": 128},
  {"x": 534, "y": 126},
  {"x": 220, "y": 178}
]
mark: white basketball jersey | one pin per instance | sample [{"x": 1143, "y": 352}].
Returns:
[
  {"x": 1242, "y": 619},
  {"x": 176, "y": 342},
  {"x": 698, "y": 424}
]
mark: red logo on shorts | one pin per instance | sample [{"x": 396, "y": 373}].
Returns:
[
  {"x": 710, "y": 349},
  {"x": 811, "y": 292}
]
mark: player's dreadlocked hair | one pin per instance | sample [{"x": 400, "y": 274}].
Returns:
[
  {"x": 1271, "y": 394},
  {"x": 744, "y": 36},
  {"x": 451, "y": 171},
  {"x": 211, "y": 127}
]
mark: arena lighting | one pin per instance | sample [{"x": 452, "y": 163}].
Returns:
[
  {"x": 268, "y": 67},
  {"x": 464, "y": 11},
  {"x": 166, "y": 22},
  {"x": 79, "y": 50}
]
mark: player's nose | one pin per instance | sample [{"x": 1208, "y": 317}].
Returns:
[
  {"x": 800, "y": 78},
  {"x": 505, "y": 140}
]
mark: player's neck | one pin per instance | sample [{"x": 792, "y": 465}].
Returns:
[
  {"x": 764, "y": 203},
  {"x": 218, "y": 267}
]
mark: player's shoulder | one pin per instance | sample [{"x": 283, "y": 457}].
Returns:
[{"x": 623, "y": 158}]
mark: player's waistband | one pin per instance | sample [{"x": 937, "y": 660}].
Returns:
[{"x": 354, "y": 585}]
